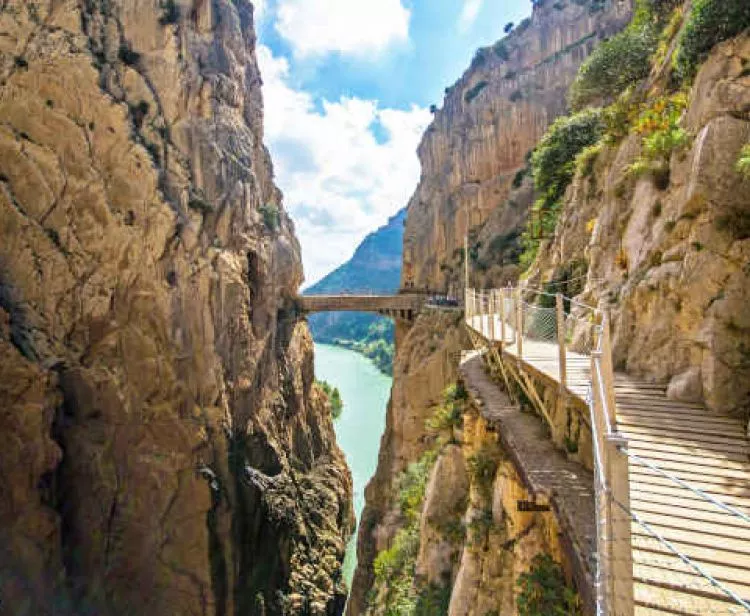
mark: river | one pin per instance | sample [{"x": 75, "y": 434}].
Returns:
[{"x": 365, "y": 392}]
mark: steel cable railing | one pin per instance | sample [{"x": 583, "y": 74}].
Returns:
[{"x": 579, "y": 330}]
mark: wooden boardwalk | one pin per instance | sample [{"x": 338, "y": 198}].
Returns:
[{"x": 707, "y": 450}]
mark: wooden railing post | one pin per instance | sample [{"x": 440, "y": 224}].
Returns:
[
  {"x": 491, "y": 311},
  {"x": 620, "y": 549},
  {"x": 502, "y": 315},
  {"x": 562, "y": 357},
  {"x": 519, "y": 324},
  {"x": 608, "y": 374}
]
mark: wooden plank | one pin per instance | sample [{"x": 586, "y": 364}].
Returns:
[
  {"x": 715, "y": 473},
  {"x": 638, "y": 413},
  {"x": 699, "y": 481},
  {"x": 653, "y": 398},
  {"x": 683, "y": 436},
  {"x": 687, "y": 511},
  {"x": 720, "y": 571},
  {"x": 644, "y": 610},
  {"x": 705, "y": 531},
  {"x": 657, "y": 456},
  {"x": 681, "y": 602},
  {"x": 707, "y": 430},
  {"x": 660, "y": 485},
  {"x": 739, "y": 559},
  {"x": 684, "y": 498},
  {"x": 646, "y": 439},
  {"x": 724, "y": 545},
  {"x": 718, "y": 454},
  {"x": 671, "y": 577}
]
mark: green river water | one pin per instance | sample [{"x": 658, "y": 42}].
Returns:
[{"x": 364, "y": 391}]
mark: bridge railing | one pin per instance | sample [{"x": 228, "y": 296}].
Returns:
[{"x": 511, "y": 317}]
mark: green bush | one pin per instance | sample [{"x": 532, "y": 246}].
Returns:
[
  {"x": 659, "y": 125},
  {"x": 743, "y": 163},
  {"x": 710, "y": 23},
  {"x": 544, "y": 592},
  {"x": 483, "y": 466},
  {"x": 395, "y": 567},
  {"x": 433, "y": 601},
  {"x": 615, "y": 65},
  {"x": 553, "y": 162},
  {"x": 200, "y": 205},
  {"x": 450, "y": 413},
  {"x": 271, "y": 215},
  {"x": 412, "y": 484},
  {"x": 587, "y": 158},
  {"x": 170, "y": 13},
  {"x": 334, "y": 397},
  {"x": 128, "y": 56},
  {"x": 474, "y": 91},
  {"x": 501, "y": 50}
]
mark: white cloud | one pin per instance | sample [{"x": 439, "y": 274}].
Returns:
[
  {"x": 260, "y": 7},
  {"x": 339, "y": 182},
  {"x": 469, "y": 14},
  {"x": 356, "y": 27}
]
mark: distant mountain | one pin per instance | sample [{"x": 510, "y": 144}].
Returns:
[{"x": 375, "y": 267}]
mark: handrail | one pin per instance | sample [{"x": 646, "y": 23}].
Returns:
[
  {"x": 611, "y": 455},
  {"x": 614, "y": 578}
]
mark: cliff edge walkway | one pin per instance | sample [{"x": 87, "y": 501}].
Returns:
[{"x": 671, "y": 480}]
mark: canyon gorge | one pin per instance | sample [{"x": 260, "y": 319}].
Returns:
[{"x": 165, "y": 447}]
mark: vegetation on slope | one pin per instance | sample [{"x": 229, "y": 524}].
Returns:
[
  {"x": 616, "y": 73},
  {"x": 334, "y": 398},
  {"x": 544, "y": 592},
  {"x": 553, "y": 165},
  {"x": 395, "y": 567}
]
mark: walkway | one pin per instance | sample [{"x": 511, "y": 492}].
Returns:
[
  {"x": 688, "y": 468},
  {"x": 400, "y": 305},
  {"x": 551, "y": 478}
]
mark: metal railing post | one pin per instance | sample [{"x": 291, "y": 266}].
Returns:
[
  {"x": 562, "y": 357},
  {"x": 519, "y": 323}
]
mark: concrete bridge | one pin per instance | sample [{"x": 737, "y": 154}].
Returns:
[{"x": 404, "y": 306}]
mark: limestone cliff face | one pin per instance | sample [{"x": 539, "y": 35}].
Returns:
[
  {"x": 491, "y": 118},
  {"x": 163, "y": 448},
  {"x": 471, "y": 157},
  {"x": 671, "y": 262}
]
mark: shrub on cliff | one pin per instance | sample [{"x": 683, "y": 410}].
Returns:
[
  {"x": 553, "y": 162},
  {"x": 543, "y": 591},
  {"x": 334, "y": 397},
  {"x": 743, "y": 163},
  {"x": 615, "y": 65},
  {"x": 710, "y": 23}
]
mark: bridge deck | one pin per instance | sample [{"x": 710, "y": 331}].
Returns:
[{"x": 707, "y": 450}]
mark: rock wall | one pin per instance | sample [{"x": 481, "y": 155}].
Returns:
[
  {"x": 492, "y": 117},
  {"x": 670, "y": 261},
  {"x": 473, "y": 158},
  {"x": 162, "y": 445}
]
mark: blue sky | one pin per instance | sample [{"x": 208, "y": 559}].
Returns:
[{"x": 347, "y": 89}]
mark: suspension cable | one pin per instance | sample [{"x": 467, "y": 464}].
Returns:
[
  {"x": 687, "y": 486},
  {"x": 702, "y": 572}
]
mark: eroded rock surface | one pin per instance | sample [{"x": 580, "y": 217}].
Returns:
[
  {"x": 670, "y": 262},
  {"x": 164, "y": 450}
]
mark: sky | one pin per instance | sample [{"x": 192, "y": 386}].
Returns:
[{"x": 347, "y": 87}]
